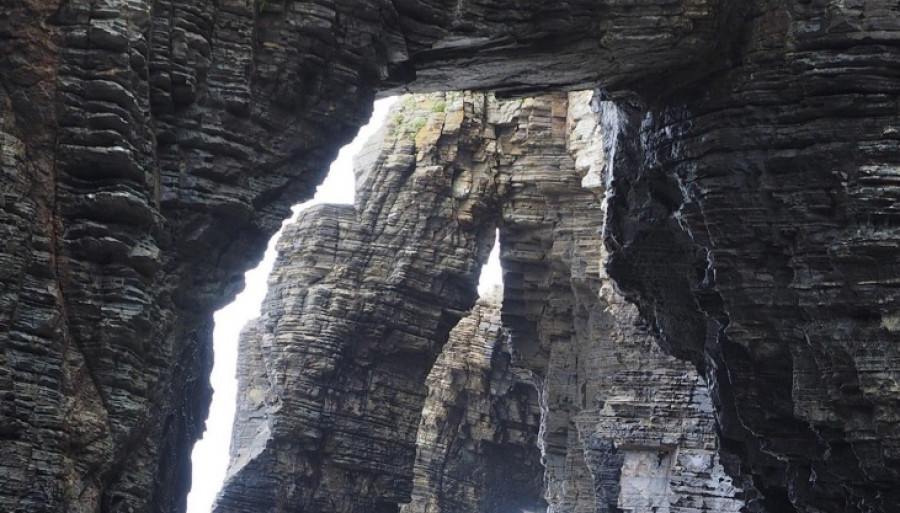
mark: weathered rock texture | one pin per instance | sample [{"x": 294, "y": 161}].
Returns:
[
  {"x": 477, "y": 445},
  {"x": 150, "y": 147},
  {"x": 625, "y": 426},
  {"x": 360, "y": 302},
  {"x": 611, "y": 402},
  {"x": 754, "y": 221}
]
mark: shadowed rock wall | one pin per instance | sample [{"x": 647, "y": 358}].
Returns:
[
  {"x": 753, "y": 222},
  {"x": 150, "y": 148}
]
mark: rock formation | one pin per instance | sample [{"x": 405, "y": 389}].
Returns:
[
  {"x": 749, "y": 220},
  {"x": 612, "y": 404},
  {"x": 149, "y": 148},
  {"x": 477, "y": 444}
]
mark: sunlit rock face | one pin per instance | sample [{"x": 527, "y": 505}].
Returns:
[
  {"x": 149, "y": 148},
  {"x": 563, "y": 397}
]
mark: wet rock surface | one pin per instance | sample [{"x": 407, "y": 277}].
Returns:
[{"x": 148, "y": 149}]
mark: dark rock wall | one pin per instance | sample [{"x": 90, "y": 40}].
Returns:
[
  {"x": 147, "y": 156},
  {"x": 149, "y": 148},
  {"x": 753, "y": 221}
]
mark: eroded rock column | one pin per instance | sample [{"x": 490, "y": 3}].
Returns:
[
  {"x": 359, "y": 305},
  {"x": 477, "y": 444}
]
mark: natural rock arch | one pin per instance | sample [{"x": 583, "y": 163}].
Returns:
[{"x": 149, "y": 147}]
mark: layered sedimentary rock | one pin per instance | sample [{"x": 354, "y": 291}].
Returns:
[
  {"x": 754, "y": 222},
  {"x": 143, "y": 169},
  {"x": 149, "y": 148},
  {"x": 477, "y": 444},
  {"x": 625, "y": 427},
  {"x": 612, "y": 404},
  {"x": 359, "y": 305}
]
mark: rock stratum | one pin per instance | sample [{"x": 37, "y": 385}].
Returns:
[
  {"x": 149, "y": 148},
  {"x": 565, "y": 365}
]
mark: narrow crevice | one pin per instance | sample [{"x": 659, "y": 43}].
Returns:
[{"x": 491, "y": 275}]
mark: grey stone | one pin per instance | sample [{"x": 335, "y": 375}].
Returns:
[{"x": 453, "y": 163}]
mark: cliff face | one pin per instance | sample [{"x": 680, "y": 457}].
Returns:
[
  {"x": 753, "y": 221},
  {"x": 622, "y": 425},
  {"x": 150, "y": 147},
  {"x": 143, "y": 169},
  {"x": 477, "y": 444}
]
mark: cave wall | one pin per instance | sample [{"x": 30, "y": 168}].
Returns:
[
  {"x": 149, "y": 148},
  {"x": 754, "y": 217}
]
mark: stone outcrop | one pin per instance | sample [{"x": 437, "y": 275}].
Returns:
[
  {"x": 359, "y": 304},
  {"x": 477, "y": 445},
  {"x": 625, "y": 426},
  {"x": 148, "y": 149},
  {"x": 611, "y": 403}
]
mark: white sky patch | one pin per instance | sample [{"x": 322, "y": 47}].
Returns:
[
  {"x": 491, "y": 273},
  {"x": 210, "y": 456}
]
